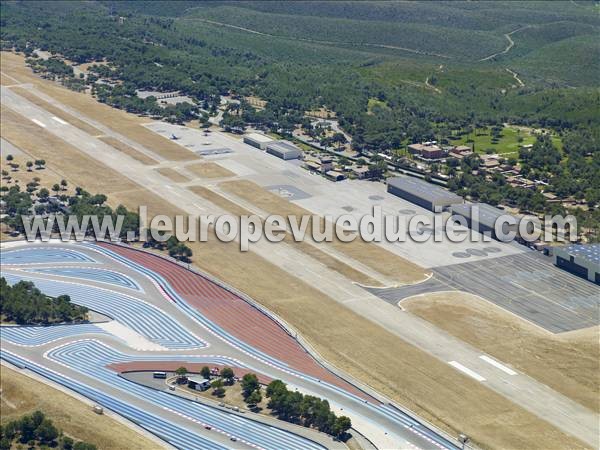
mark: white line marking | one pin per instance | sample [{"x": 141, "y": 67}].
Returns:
[
  {"x": 59, "y": 120},
  {"x": 37, "y": 122},
  {"x": 496, "y": 364},
  {"x": 466, "y": 370}
]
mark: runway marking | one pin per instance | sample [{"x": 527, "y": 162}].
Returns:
[
  {"x": 59, "y": 120},
  {"x": 496, "y": 364},
  {"x": 466, "y": 370},
  {"x": 37, "y": 122}
]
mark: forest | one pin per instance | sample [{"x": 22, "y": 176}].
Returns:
[
  {"x": 24, "y": 304},
  {"x": 394, "y": 73},
  {"x": 37, "y": 432}
]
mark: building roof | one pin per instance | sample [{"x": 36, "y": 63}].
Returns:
[
  {"x": 257, "y": 137},
  {"x": 487, "y": 214},
  {"x": 588, "y": 252},
  {"x": 462, "y": 148},
  {"x": 423, "y": 189},
  {"x": 424, "y": 146},
  {"x": 284, "y": 147},
  {"x": 197, "y": 379}
]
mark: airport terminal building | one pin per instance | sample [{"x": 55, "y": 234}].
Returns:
[{"x": 422, "y": 193}]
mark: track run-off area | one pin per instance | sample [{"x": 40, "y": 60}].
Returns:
[{"x": 157, "y": 312}]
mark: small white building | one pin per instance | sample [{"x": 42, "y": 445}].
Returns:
[
  {"x": 257, "y": 140},
  {"x": 198, "y": 383}
]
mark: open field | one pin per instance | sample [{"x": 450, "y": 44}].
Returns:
[
  {"x": 365, "y": 350},
  {"x": 74, "y": 166},
  {"x": 173, "y": 175},
  {"x": 128, "y": 150},
  {"x": 507, "y": 145},
  {"x": 386, "y": 263},
  {"x": 23, "y": 395},
  {"x": 22, "y": 176},
  {"x": 567, "y": 362},
  {"x": 209, "y": 170}
]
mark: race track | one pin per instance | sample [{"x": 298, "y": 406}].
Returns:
[{"x": 159, "y": 313}]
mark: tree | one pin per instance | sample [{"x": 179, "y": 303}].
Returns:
[
  {"x": 56, "y": 188},
  {"x": 275, "y": 387},
  {"x": 249, "y": 384},
  {"x": 254, "y": 398},
  {"x": 341, "y": 425},
  {"x": 181, "y": 373},
  {"x": 43, "y": 194},
  {"x": 84, "y": 446},
  {"x": 227, "y": 375},
  {"x": 66, "y": 443},
  {"x": 29, "y": 165},
  {"x": 9, "y": 157},
  {"x": 205, "y": 372},
  {"x": 217, "y": 386},
  {"x": 27, "y": 428},
  {"x": 63, "y": 184},
  {"x": 37, "y": 418},
  {"x": 180, "y": 251},
  {"x": 47, "y": 432}
]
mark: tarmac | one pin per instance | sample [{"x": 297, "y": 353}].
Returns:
[{"x": 526, "y": 284}]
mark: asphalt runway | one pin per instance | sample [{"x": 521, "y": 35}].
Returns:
[
  {"x": 526, "y": 284},
  {"x": 149, "y": 308}
]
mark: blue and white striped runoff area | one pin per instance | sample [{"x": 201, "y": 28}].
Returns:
[
  {"x": 142, "y": 317},
  {"x": 44, "y": 255},
  {"x": 91, "y": 357},
  {"x": 92, "y": 274},
  {"x": 159, "y": 328},
  {"x": 32, "y": 336},
  {"x": 170, "y": 432}
]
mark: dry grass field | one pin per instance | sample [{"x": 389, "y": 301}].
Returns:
[
  {"x": 173, "y": 175},
  {"x": 23, "y": 395},
  {"x": 128, "y": 150},
  {"x": 47, "y": 177},
  {"x": 209, "y": 170},
  {"x": 74, "y": 166},
  {"x": 363, "y": 349},
  {"x": 373, "y": 256},
  {"x": 569, "y": 363}
]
